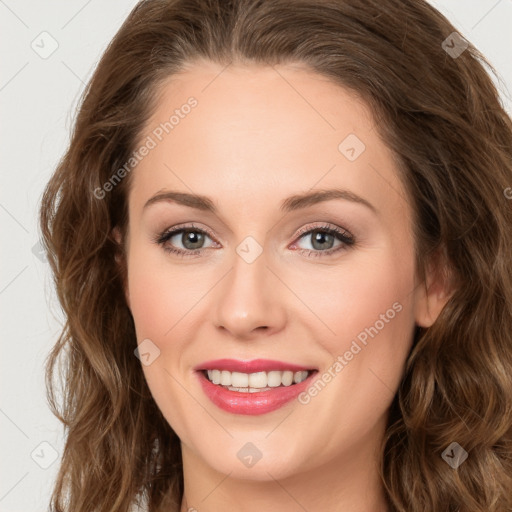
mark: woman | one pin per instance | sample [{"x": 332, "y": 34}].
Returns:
[{"x": 216, "y": 356}]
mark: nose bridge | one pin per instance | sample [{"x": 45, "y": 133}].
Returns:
[{"x": 248, "y": 298}]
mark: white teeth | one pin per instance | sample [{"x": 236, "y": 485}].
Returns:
[
  {"x": 225, "y": 378},
  {"x": 287, "y": 378},
  {"x": 258, "y": 380},
  {"x": 253, "y": 382},
  {"x": 274, "y": 379},
  {"x": 239, "y": 380},
  {"x": 256, "y": 390}
]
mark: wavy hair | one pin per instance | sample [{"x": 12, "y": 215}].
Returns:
[{"x": 443, "y": 119}]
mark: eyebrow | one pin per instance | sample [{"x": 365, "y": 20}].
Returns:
[{"x": 292, "y": 203}]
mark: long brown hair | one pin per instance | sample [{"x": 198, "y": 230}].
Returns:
[{"x": 442, "y": 117}]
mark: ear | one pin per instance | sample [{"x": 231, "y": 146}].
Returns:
[
  {"x": 434, "y": 291},
  {"x": 120, "y": 258}
]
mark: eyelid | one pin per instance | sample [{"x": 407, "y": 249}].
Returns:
[
  {"x": 327, "y": 226},
  {"x": 184, "y": 227}
]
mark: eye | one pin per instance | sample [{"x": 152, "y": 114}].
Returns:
[
  {"x": 323, "y": 239},
  {"x": 191, "y": 238}
]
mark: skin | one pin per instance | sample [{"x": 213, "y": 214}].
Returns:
[{"x": 257, "y": 136}]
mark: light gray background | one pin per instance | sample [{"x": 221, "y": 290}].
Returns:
[{"x": 38, "y": 97}]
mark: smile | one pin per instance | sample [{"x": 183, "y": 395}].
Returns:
[
  {"x": 252, "y": 387},
  {"x": 255, "y": 382}
]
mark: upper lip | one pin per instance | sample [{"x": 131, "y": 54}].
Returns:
[{"x": 249, "y": 366}]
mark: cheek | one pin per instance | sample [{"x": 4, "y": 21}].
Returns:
[
  {"x": 370, "y": 315},
  {"x": 149, "y": 303},
  {"x": 375, "y": 325},
  {"x": 160, "y": 293},
  {"x": 159, "y": 299},
  {"x": 358, "y": 295},
  {"x": 369, "y": 312}
]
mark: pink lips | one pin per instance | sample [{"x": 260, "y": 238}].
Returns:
[
  {"x": 250, "y": 403},
  {"x": 256, "y": 365}
]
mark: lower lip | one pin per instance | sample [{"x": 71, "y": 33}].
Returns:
[{"x": 260, "y": 402}]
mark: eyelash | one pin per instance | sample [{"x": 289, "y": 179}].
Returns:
[{"x": 344, "y": 236}]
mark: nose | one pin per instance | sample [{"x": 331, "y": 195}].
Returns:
[{"x": 250, "y": 300}]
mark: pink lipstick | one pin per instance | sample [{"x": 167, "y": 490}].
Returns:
[{"x": 252, "y": 387}]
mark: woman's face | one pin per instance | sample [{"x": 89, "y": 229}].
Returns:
[{"x": 253, "y": 280}]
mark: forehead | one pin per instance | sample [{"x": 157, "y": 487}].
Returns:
[{"x": 246, "y": 132}]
